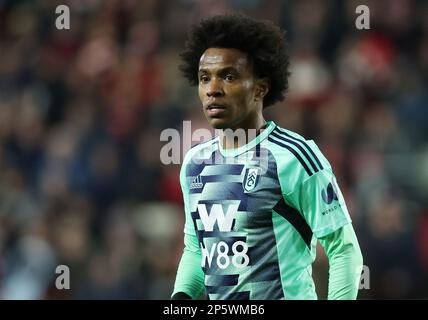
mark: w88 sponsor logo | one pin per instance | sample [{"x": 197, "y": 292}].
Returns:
[
  {"x": 240, "y": 259},
  {"x": 221, "y": 249}
]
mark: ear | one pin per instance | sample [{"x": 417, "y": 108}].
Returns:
[{"x": 262, "y": 88}]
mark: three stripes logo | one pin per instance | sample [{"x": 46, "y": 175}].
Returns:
[
  {"x": 299, "y": 148},
  {"x": 330, "y": 193},
  {"x": 196, "y": 183}
]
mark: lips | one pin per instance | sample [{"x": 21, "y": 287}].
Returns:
[{"x": 215, "y": 109}]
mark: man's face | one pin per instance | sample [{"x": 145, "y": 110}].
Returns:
[{"x": 227, "y": 89}]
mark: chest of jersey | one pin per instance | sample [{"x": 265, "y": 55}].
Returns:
[{"x": 232, "y": 196}]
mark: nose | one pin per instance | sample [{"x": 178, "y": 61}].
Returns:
[{"x": 214, "y": 88}]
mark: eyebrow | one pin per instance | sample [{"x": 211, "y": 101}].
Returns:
[{"x": 221, "y": 70}]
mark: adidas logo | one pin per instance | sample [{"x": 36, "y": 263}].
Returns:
[{"x": 196, "y": 183}]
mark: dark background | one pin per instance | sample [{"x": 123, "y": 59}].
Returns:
[{"x": 81, "y": 112}]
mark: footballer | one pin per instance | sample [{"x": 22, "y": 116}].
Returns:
[{"x": 254, "y": 211}]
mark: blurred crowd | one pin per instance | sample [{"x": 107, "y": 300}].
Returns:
[{"x": 81, "y": 112}]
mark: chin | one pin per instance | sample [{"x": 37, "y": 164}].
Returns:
[{"x": 217, "y": 123}]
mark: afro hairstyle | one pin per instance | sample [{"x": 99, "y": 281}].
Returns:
[{"x": 263, "y": 41}]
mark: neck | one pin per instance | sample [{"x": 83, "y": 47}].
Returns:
[{"x": 235, "y": 138}]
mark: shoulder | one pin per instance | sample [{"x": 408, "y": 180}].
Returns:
[
  {"x": 296, "y": 158},
  {"x": 201, "y": 150}
]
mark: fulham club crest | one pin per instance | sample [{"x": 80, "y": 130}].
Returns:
[{"x": 251, "y": 178}]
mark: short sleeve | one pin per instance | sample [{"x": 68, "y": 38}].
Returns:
[{"x": 321, "y": 203}]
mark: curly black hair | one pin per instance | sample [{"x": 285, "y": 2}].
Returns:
[{"x": 261, "y": 40}]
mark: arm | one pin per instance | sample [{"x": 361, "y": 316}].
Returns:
[
  {"x": 189, "y": 282},
  {"x": 345, "y": 260},
  {"x": 318, "y": 198}
]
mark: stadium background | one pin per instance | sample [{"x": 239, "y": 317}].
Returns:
[{"x": 81, "y": 112}]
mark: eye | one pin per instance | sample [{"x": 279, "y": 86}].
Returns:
[
  {"x": 204, "y": 78},
  {"x": 230, "y": 77}
]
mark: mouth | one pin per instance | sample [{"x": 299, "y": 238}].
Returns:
[{"x": 215, "y": 109}]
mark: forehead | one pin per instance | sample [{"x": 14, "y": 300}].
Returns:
[{"x": 217, "y": 58}]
